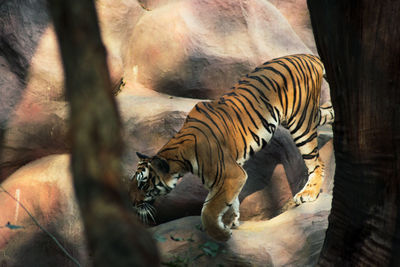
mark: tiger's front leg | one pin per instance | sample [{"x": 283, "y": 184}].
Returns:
[{"x": 220, "y": 200}]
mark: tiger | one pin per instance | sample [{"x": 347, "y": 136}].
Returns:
[{"x": 219, "y": 136}]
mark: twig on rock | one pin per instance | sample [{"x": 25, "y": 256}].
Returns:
[{"x": 42, "y": 228}]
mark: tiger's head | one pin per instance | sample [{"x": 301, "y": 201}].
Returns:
[{"x": 153, "y": 178}]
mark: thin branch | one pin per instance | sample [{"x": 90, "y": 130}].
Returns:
[{"x": 42, "y": 228}]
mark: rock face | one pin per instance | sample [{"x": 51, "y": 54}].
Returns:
[
  {"x": 293, "y": 238},
  {"x": 296, "y": 12},
  {"x": 203, "y": 47},
  {"x": 17, "y": 45},
  {"x": 37, "y": 130},
  {"x": 44, "y": 188}
]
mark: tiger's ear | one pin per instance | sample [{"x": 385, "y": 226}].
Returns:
[
  {"x": 160, "y": 164},
  {"x": 141, "y": 156}
]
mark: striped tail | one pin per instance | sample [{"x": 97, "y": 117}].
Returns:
[{"x": 327, "y": 115}]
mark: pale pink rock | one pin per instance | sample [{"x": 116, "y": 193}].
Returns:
[
  {"x": 297, "y": 14},
  {"x": 199, "y": 48},
  {"x": 44, "y": 188}
]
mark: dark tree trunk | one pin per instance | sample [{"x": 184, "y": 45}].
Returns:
[
  {"x": 359, "y": 42},
  {"x": 114, "y": 236}
]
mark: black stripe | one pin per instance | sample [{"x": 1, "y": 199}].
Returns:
[
  {"x": 272, "y": 69},
  {"x": 168, "y": 149},
  {"x": 325, "y": 107},
  {"x": 251, "y": 151},
  {"x": 273, "y": 83},
  {"x": 182, "y": 141},
  {"x": 270, "y": 109},
  {"x": 308, "y": 140},
  {"x": 296, "y": 89},
  {"x": 209, "y": 117},
  {"x": 309, "y": 157},
  {"x": 278, "y": 114},
  {"x": 316, "y": 167},
  {"x": 197, "y": 158},
  {"x": 302, "y": 117},
  {"x": 255, "y": 137},
  {"x": 237, "y": 114},
  {"x": 217, "y": 114},
  {"x": 311, "y": 118},
  {"x": 188, "y": 163},
  {"x": 258, "y": 78},
  {"x": 220, "y": 152},
  {"x": 263, "y": 142},
  {"x": 250, "y": 92},
  {"x": 244, "y": 107},
  {"x": 268, "y": 126}
]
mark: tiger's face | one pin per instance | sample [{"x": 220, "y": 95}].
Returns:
[{"x": 151, "y": 180}]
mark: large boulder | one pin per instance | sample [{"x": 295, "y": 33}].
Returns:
[
  {"x": 44, "y": 189},
  {"x": 293, "y": 238},
  {"x": 201, "y": 48},
  {"x": 40, "y": 193}
]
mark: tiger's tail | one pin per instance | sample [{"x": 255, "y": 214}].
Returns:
[{"x": 327, "y": 115}]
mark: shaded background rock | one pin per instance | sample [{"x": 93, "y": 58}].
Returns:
[
  {"x": 20, "y": 30},
  {"x": 203, "y": 47}
]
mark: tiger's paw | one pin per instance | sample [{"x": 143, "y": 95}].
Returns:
[
  {"x": 217, "y": 230},
  {"x": 311, "y": 190},
  {"x": 308, "y": 194},
  {"x": 235, "y": 223},
  {"x": 221, "y": 235},
  {"x": 231, "y": 218}
]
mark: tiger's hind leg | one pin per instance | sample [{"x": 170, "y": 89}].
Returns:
[
  {"x": 308, "y": 146},
  {"x": 327, "y": 115}
]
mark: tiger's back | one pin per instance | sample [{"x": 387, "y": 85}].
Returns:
[{"x": 283, "y": 91}]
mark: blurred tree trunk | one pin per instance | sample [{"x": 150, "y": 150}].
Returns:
[
  {"x": 359, "y": 42},
  {"x": 114, "y": 236}
]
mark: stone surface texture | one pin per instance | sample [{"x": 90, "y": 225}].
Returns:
[
  {"x": 44, "y": 189},
  {"x": 203, "y": 47},
  {"x": 293, "y": 238}
]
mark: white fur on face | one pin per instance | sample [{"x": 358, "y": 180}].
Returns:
[{"x": 143, "y": 176}]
